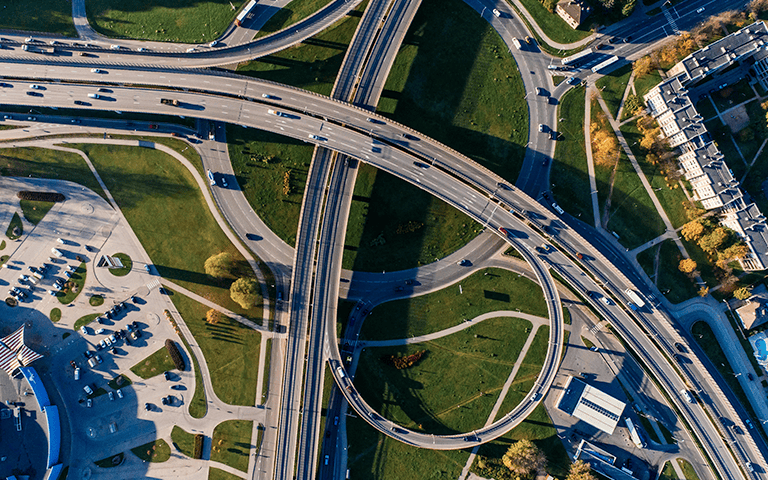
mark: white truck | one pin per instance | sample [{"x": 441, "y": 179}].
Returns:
[{"x": 637, "y": 302}]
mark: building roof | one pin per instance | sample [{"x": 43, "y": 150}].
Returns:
[
  {"x": 14, "y": 353},
  {"x": 591, "y": 405},
  {"x": 601, "y": 461},
  {"x": 576, "y": 9}
]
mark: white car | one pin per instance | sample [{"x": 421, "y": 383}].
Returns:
[
  {"x": 191, "y": 49},
  {"x": 100, "y": 331},
  {"x": 700, "y": 9},
  {"x": 213, "y": 43},
  {"x": 88, "y": 390},
  {"x": 83, "y": 330},
  {"x": 94, "y": 95},
  {"x": 115, "y": 47},
  {"x": 142, "y": 49},
  {"x": 119, "y": 394},
  {"x": 97, "y": 70},
  {"x": 496, "y": 13}
]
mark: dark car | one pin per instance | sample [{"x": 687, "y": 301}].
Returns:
[
  {"x": 34, "y": 94},
  {"x": 680, "y": 347},
  {"x": 80, "y": 102},
  {"x": 167, "y": 375},
  {"x": 147, "y": 407},
  {"x": 750, "y": 377}
]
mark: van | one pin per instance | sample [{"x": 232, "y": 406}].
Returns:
[
  {"x": 77, "y": 373},
  {"x": 496, "y": 13},
  {"x": 57, "y": 252},
  {"x": 340, "y": 371},
  {"x": 94, "y": 95},
  {"x": 92, "y": 362},
  {"x": 114, "y": 47},
  {"x": 687, "y": 395}
]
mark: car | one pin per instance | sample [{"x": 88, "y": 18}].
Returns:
[
  {"x": 97, "y": 70},
  {"x": 80, "y": 102},
  {"x": 680, "y": 348},
  {"x": 87, "y": 354},
  {"x": 98, "y": 358},
  {"x": 68, "y": 275},
  {"x": 35, "y": 86},
  {"x": 541, "y": 127},
  {"x": 100, "y": 331},
  {"x": 464, "y": 262},
  {"x": 700, "y": 9},
  {"x": 164, "y": 401},
  {"x": 266, "y": 95},
  {"x": 496, "y": 13},
  {"x": 141, "y": 49},
  {"x": 23, "y": 277},
  {"x": 83, "y": 330},
  {"x": 750, "y": 377},
  {"x": 146, "y": 267},
  {"x": 213, "y": 43},
  {"x": 223, "y": 182},
  {"x": 30, "y": 40},
  {"x": 89, "y": 403},
  {"x": 147, "y": 407},
  {"x": 545, "y": 162},
  {"x": 107, "y": 342},
  {"x": 573, "y": 81},
  {"x": 101, "y": 344},
  {"x": 167, "y": 375},
  {"x": 114, "y": 47},
  {"x": 88, "y": 390},
  {"x": 749, "y": 423},
  {"x": 327, "y": 457},
  {"x": 113, "y": 351},
  {"x": 77, "y": 373},
  {"x": 32, "y": 269},
  {"x": 593, "y": 348},
  {"x": 112, "y": 338},
  {"x": 111, "y": 396},
  {"x": 553, "y": 135},
  {"x": 191, "y": 49},
  {"x": 336, "y": 420},
  {"x": 177, "y": 387},
  {"x": 119, "y": 394},
  {"x": 152, "y": 126},
  {"x": 316, "y": 137},
  {"x": 605, "y": 300},
  {"x": 421, "y": 164},
  {"x": 539, "y": 91},
  {"x": 627, "y": 39},
  {"x": 94, "y": 95},
  {"x": 71, "y": 268}
]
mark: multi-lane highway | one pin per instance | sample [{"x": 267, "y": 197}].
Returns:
[{"x": 437, "y": 169}]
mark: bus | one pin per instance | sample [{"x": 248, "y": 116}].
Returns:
[
  {"x": 246, "y": 11},
  {"x": 577, "y": 56},
  {"x": 605, "y": 63}
]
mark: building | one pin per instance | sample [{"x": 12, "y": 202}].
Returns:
[
  {"x": 602, "y": 462},
  {"x": 14, "y": 353},
  {"x": 754, "y": 312},
  {"x": 573, "y": 11},
  {"x": 591, "y": 405},
  {"x": 702, "y": 163}
]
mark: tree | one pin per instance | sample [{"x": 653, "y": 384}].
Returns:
[
  {"x": 642, "y": 67},
  {"x": 687, "y": 265},
  {"x": 219, "y": 265},
  {"x": 626, "y": 10},
  {"x": 712, "y": 241},
  {"x": 742, "y": 293},
  {"x": 244, "y": 291},
  {"x": 213, "y": 316},
  {"x": 735, "y": 251},
  {"x": 524, "y": 458},
  {"x": 580, "y": 470},
  {"x": 692, "y": 231},
  {"x": 703, "y": 291}
]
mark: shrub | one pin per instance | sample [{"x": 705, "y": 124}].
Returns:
[
  {"x": 41, "y": 196},
  {"x": 197, "y": 452},
  {"x": 401, "y": 363},
  {"x": 173, "y": 351}
]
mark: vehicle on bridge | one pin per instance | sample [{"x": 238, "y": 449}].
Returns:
[{"x": 169, "y": 101}]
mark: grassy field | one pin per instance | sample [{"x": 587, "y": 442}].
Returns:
[
  {"x": 705, "y": 108},
  {"x": 183, "y": 440},
  {"x": 54, "y": 16},
  {"x": 34, "y": 210},
  {"x": 453, "y": 387},
  {"x": 612, "y": 87},
  {"x": 295, "y": 11},
  {"x": 85, "y": 320},
  {"x": 670, "y": 277},
  {"x": 757, "y": 175},
  {"x": 673, "y": 200},
  {"x": 156, "y": 451},
  {"x": 732, "y": 95},
  {"x": 231, "y": 443},
  {"x": 218, "y": 474},
  {"x": 162, "y": 20},
  {"x": 569, "y": 173},
  {"x": 96, "y": 300},
  {"x": 312, "y": 64},
  {"x": 721, "y": 134},
  {"x": 15, "y": 227},
  {"x": 73, "y": 287},
  {"x": 127, "y": 265},
  {"x": 394, "y": 225},
  {"x": 554, "y": 26},
  {"x": 498, "y": 290},
  {"x": 645, "y": 83},
  {"x": 537, "y": 427},
  {"x": 632, "y": 215},
  {"x": 198, "y": 406},
  {"x": 181, "y": 222},
  {"x": 462, "y": 90},
  {"x": 55, "y": 315},
  {"x": 153, "y": 365},
  {"x": 231, "y": 351},
  {"x": 688, "y": 471},
  {"x": 668, "y": 472},
  {"x": 44, "y": 163}
]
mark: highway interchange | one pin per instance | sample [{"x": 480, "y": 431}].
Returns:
[{"x": 437, "y": 169}]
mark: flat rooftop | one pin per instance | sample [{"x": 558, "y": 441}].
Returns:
[{"x": 591, "y": 405}]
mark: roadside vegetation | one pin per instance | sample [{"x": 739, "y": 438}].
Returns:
[
  {"x": 218, "y": 474},
  {"x": 231, "y": 443},
  {"x": 183, "y": 441},
  {"x": 34, "y": 210},
  {"x": 674, "y": 284},
  {"x": 569, "y": 175},
  {"x": 231, "y": 350},
  {"x": 162, "y": 20},
  {"x": 295, "y": 11},
  {"x": 53, "y": 16},
  {"x": 543, "y": 12},
  {"x": 181, "y": 222},
  {"x": 154, "y": 365},
  {"x": 485, "y": 291}
]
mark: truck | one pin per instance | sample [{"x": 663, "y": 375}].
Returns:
[
  {"x": 44, "y": 49},
  {"x": 638, "y": 302},
  {"x": 244, "y": 13},
  {"x": 169, "y": 101},
  {"x": 634, "y": 434}
]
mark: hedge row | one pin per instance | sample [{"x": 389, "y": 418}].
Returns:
[
  {"x": 197, "y": 453},
  {"x": 41, "y": 196},
  {"x": 173, "y": 351}
]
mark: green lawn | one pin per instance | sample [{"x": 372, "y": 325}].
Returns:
[
  {"x": 55, "y": 315},
  {"x": 218, "y": 474},
  {"x": 120, "y": 381},
  {"x": 554, "y": 26},
  {"x": 198, "y": 406},
  {"x": 183, "y": 440},
  {"x": 394, "y": 225},
  {"x": 231, "y": 443},
  {"x": 462, "y": 90},
  {"x": 498, "y": 290},
  {"x": 453, "y": 387},
  {"x": 34, "y": 210},
  {"x": 295, "y": 11},
  {"x": 645, "y": 83},
  {"x": 688, "y": 471},
  {"x": 632, "y": 215},
  {"x": 673, "y": 200},
  {"x": 749, "y": 147},
  {"x": 231, "y": 351},
  {"x": 73, "y": 287},
  {"x": 44, "y": 163},
  {"x": 181, "y": 222},
  {"x": 721, "y": 134},
  {"x": 706, "y": 109},
  {"x": 153, "y": 365},
  {"x": 612, "y": 87},
  {"x": 54, "y": 16},
  {"x": 569, "y": 173},
  {"x": 96, "y": 300},
  {"x": 313, "y": 64},
  {"x": 127, "y": 265},
  {"x": 732, "y": 95},
  {"x": 85, "y": 320},
  {"x": 156, "y": 451},
  {"x": 267, "y": 361},
  {"x": 162, "y": 20},
  {"x": 668, "y": 473},
  {"x": 12, "y": 232},
  {"x": 670, "y": 277}
]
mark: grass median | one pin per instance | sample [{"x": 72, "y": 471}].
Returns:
[
  {"x": 34, "y": 210},
  {"x": 156, "y": 451},
  {"x": 154, "y": 365},
  {"x": 570, "y": 175},
  {"x": 162, "y": 20},
  {"x": 231, "y": 351},
  {"x": 231, "y": 443},
  {"x": 183, "y": 441},
  {"x": 73, "y": 287},
  {"x": 52, "y": 16},
  {"x": 168, "y": 213},
  {"x": 485, "y": 291}
]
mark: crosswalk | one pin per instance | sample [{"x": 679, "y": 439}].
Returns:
[
  {"x": 596, "y": 328},
  {"x": 153, "y": 284},
  {"x": 671, "y": 20}
]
